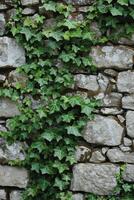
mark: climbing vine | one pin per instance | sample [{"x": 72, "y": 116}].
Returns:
[{"x": 57, "y": 42}]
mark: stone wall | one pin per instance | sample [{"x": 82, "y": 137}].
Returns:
[{"x": 108, "y": 140}]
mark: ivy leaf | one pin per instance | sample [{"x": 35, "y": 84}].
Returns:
[
  {"x": 48, "y": 135},
  {"x": 115, "y": 12},
  {"x": 59, "y": 153},
  {"x": 26, "y": 31},
  {"x": 123, "y": 2},
  {"x": 131, "y": 2},
  {"x": 73, "y": 130},
  {"x": 35, "y": 167}
]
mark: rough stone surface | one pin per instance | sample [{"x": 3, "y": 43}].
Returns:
[
  {"x": 119, "y": 57},
  {"x": 103, "y": 82},
  {"x": 111, "y": 72},
  {"x": 2, "y": 78},
  {"x": 116, "y": 156},
  {"x": 124, "y": 148},
  {"x": 11, "y": 54},
  {"x": 82, "y": 153},
  {"x": 2, "y": 24},
  {"x": 128, "y": 102},
  {"x": 87, "y": 82},
  {"x": 15, "y": 195},
  {"x": 13, "y": 177},
  {"x": 103, "y": 131},
  {"x": 112, "y": 100},
  {"x": 79, "y": 2},
  {"x": 125, "y": 82},
  {"x": 29, "y": 2},
  {"x": 17, "y": 78},
  {"x": 127, "y": 142},
  {"x": 128, "y": 174},
  {"x": 130, "y": 123},
  {"x": 28, "y": 11},
  {"x": 78, "y": 196},
  {"x": 127, "y": 41},
  {"x": 111, "y": 111},
  {"x": 8, "y": 108},
  {"x": 94, "y": 178},
  {"x": 2, "y": 194},
  {"x": 12, "y": 152},
  {"x": 97, "y": 157}
]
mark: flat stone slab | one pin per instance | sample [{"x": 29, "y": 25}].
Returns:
[
  {"x": 128, "y": 102},
  {"x": 98, "y": 179},
  {"x": 128, "y": 174},
  {"x": 117, "y": 57},
  {"x": 29, "y": 2},
  {"x": 79, "y": 2},
  {"x": 11, "y": 53},
  {"x": 103, "y": 131},
  {"x": 130, "y": 123},
  {"x": 115, "y": 155},
  {"x": 125, "y": 82},
  {"x": 13, "y": 177}
]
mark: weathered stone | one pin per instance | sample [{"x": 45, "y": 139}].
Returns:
[
  {"x": 103, "y": 131},
  {"x": 9, "y": 2},
  {"x": 125, "y": 82},
  {"x": 2, "y": 78},
  {"x": 12, "y": 152},
  {"x": 127, "y": 41},
  {"x": 2, "y": 128},
  {"x": 130, "y": 123},
  {"x": 111, "y": 72},
  {"x": 104, "y": 150},
  {"x": 28, "y": 11},
  {"x": 121, "y": 118},
  {"x": 13, "y": 177},
  {"x": 117, "y": 57},
  {"x": 111, "y": 111},
  {"x": 82, "y": 153},
  {"x": 97, "y": 157},
  {"x": 127, "y": 142},
  {"x": 125, "y": 149},
  {"x": 103, "y": 82},
  {"x": 112, "y": 100},
  {"x": 88, "y": 82},
  {"x": 17, "y": 78},
  {"x": 128, "y": 102},
  {"x": 79, "y": 2},
  {"x": 95, "y": 28},
  {"x": 3, "y": 6},
  {"x": 78, "y": 196},
  {"x": 128, "y": 174},
  {"x": 115, "y": 155},
  {"x": 8, "y": 108},
  {"x": 29, "y": 2},
  {"x": 2, "y": 194},
  {"x": 15, "y": 195},
  {"x": 94, "y": 178},
  {"x": 11, "y": 54},
  {"x": 2, "y": 24},
  {"x": 11, "y": 13}
]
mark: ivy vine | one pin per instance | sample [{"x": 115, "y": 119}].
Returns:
[{"x": 57, "y": 44}]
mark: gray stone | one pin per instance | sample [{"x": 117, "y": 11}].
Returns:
[
  {"x": 111, "y": 111},
  {"x": 11, "y": 13},
  {"x": 79, "y": 2},
  {"x": 3, "y": 128},
  {"x": 103, "y": 131},
  {"x": 117, "y": 57},
  {"x": 78, "y": 196},
  {"x": 121, "y": 118},
  {"x": 2, "y": 194},
  {"x": 104, "y": 150},
  {"x": 97, "y": 157},
  {"x": 128, "y": 102},
  {"x": 94, "y": 27},
  {"x": 11, "y": 54},
  {"x": 111, "y": 72},
  {"x": 2, "y": 24},
  {"x": 9, "y": 2},
  {"x": 2, "y": 78},
  {"x": 13, "y": 177},
  {"x": 130, "y": 123},
  {"x": 103, "y": 82},
  {"x": 127, "y": 41},
  {"x": 8, "y": 108},
  {"x": 15, "y": 78},
  {"x": 125, "y": 149},
  {"x": 88, "y": 82},
  {"x": 3, "y": 7},
  {"x": 127, "y": 142},
  {"x": 28, "y": 11},
  {"x": 12, "y": 152},
  {"x": 115, "y": 155},
  {"x": 125, "y": 82},
  {"x": 15, "y": 195},
  {"x": 98, "y": 179},
  {"x": 29, "y": 2},
  {"x": 112, "y": 100},
  {"x": 82, "y": 153},
  {"x": 128, "y": 174}
]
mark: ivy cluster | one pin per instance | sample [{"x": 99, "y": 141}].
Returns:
[{"x": 57, "y": 45}]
